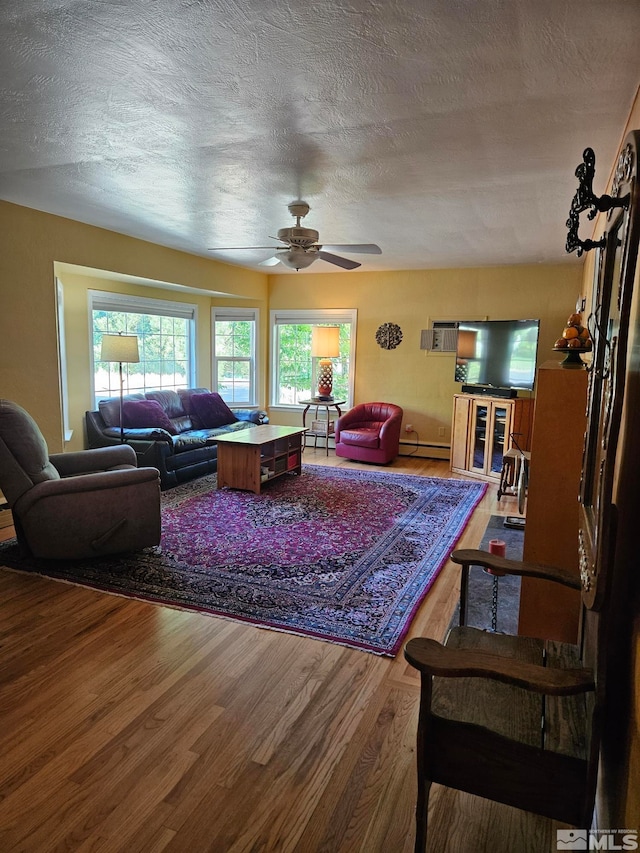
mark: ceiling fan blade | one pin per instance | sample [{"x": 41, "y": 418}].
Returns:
[
  {"x": 356, "y": 248},
  {"x": 241, "y": 248},
  {"x": 345, "y": 263},
  {"x": 270, "y": 262}
]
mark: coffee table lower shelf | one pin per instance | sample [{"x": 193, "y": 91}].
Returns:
[{"x": 255, "y": 456}]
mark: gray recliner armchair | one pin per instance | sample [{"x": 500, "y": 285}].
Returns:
[{"x": 75, "y": 505}]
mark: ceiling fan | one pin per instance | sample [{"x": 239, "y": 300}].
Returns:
[{"x": 301, "y": 248}]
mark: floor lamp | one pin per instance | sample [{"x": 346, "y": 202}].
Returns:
[
  {"x": 120, "y": 348},
  {"x": 325, "y": 344}
]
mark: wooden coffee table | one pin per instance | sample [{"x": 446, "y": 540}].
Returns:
[{"x": 258, "y": 455}]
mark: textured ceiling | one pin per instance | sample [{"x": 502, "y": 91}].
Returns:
[{"x": 445, "y": 131}]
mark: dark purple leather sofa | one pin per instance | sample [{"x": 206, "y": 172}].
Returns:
[{"x": 190, "y": 452}]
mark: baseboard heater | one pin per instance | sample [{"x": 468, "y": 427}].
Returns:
[{"x": 425, "y": 450}]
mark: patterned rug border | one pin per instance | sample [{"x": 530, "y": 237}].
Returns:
[{"x": 176, "y": 497}]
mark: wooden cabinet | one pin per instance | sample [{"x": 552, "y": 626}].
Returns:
[
  {"x": 482, "y": 430},
  {"x": 551, "y": 611},
  {"x": 252, "y": 457}
]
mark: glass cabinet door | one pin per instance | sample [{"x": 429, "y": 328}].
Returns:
[
  {"x": 500, "y": 436},
  {"x": 489, "y": 437},
  {"x": 479, "y": 435}
]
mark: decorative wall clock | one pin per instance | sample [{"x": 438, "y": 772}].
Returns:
[{"x": 389, "y": 335}]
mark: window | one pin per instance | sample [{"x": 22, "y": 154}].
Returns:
[
  {"x": 294, "y": 370},
  {"x": 234, "y": 354},
  {"x": 62, "y": 356},
  {"x": 166, "y": 333}
]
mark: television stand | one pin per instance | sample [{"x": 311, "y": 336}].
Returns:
[{"x": 483, "y": 427}]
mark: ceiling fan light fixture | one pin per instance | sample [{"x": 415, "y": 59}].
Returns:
[
  {"x": 302, "y": 247},
  {"x": 297, "y": 258}
]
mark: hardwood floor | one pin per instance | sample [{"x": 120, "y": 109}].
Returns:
[{"x": 132, "y": 727}]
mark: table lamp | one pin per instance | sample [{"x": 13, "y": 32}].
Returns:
[
  {"x": 325, "y": 345},
  {"x": 465, "y": 349},
  {"x": 120, "y": 348}
]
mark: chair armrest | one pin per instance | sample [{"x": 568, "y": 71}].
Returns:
[
  {"x": 141, "y": 434},
  {"x": 86, "y": 483},
  {"x": 98, "y": 459},
  {"x": 432, "y": 658},
  {"x": 351, "y": 416},
  {"x": 391, "y": 427},
  {"x": 256, "y": 416},
  {"x": 473, "y": 557}
]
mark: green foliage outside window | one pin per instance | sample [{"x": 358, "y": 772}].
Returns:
[
  {"x": 297, "y": 370},
  {"x": 163, "y": 344}
]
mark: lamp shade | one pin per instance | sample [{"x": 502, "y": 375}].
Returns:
[
  {"x": 466, "y": 343},
  {"x": 120, "y": 348},
  {"x": 325, "y": 341}
]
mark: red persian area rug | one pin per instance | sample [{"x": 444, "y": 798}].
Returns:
[{"x": 342, "y": 555}]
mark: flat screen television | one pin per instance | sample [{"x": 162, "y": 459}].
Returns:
[{"x": 497, "y": 354}]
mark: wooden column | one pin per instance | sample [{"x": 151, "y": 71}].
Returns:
[{"x": 551, "y": 532}]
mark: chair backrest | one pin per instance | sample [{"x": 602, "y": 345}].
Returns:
[
  {"x": 378, "y": 411},
  {"x": 24, "y": 456}
]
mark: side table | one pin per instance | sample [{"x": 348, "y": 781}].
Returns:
[{"x": 321, "y": 427}]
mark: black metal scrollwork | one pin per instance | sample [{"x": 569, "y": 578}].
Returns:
[{"x": 584, "y": 199}]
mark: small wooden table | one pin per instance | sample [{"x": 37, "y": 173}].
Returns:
[{"x": 257, "y": 455}]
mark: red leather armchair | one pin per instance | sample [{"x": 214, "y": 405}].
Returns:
[{"x": 370, "y": 432}]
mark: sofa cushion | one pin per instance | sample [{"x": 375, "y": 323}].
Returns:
[
  {"x": 186, "y": 394},
  {"x": 195, "y": 438},
  {"x": 138, "y": 414},
  {"x": 182, "y": 424},
  {"x": 170, "y": 402},
  {"x": 110, "y": 409},
  {"x": 211, "y": 411}
]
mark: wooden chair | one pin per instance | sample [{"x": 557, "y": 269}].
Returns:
[
  {"x": 512, "y": 719},
  {"x": 525, "y": 721}
]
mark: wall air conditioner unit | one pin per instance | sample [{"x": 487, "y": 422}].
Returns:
[{"x": 441, "y": 337}]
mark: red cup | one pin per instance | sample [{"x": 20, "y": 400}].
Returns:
[{"x": 499, "y": 548}]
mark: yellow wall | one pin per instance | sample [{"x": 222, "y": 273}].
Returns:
[
  {"x": 38, "y": 245},
  {"x": 32, "y": 243},
  {"x": 419, "y": 381}
]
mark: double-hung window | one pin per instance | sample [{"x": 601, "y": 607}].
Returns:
[
  {"x": 294, "y": 370},
  {"x": 235, "y": 333},
  {"x": 166, "y": 343}
]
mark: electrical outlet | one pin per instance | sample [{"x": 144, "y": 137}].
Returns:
[
  {"x": 408, "y": 428},
  {"x": 440, "y": 432}
]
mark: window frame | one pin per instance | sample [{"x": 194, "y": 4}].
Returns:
[
  {"x": 313, "y": 317},
  {"x": 62, "y": 361},
  {"x": 223, "y": 314},
  {"x": 102, "y": 300}
]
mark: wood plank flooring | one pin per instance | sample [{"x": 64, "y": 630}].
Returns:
[{"x": 131, "y": 727}]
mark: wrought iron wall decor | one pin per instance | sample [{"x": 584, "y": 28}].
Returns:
[
  {"x": 584, "y": 199},
  {"x": 389, "y": 335}
]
